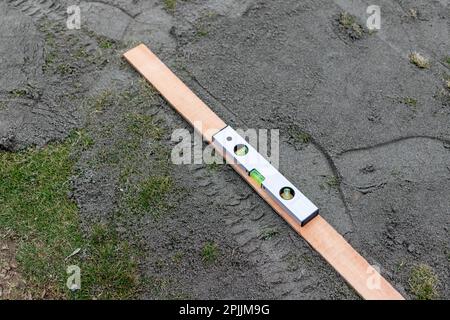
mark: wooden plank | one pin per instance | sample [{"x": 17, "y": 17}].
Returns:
[
  {"x": 182, "y": 99},
  {"x": 318, "y": 233}
]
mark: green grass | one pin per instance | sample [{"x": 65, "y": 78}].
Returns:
[
  {"x": 34, "y": 185},
  {"x": 299, "y": 136},
  {"x": 64, "y": 69},
  {"x": 155, "y": 195},
  {"x": 137, "y": 136},
  {"x": 332, "y": 182},
  {"x": 141, "y": 125},
  {"x": 269, "y": 233},
  {"x": 423, "y": 282},
  {"x": 348, "y": 21},
  {"x": 81, "y": 53},
  {"x": 213, "y": 167},
  {"x": 102, "y": 101},
  {"x": 419, "y": 60},
  {"x": 178, "y": 257},
  {"x": 19, "y": 93},
  {"x": 110, "y": 269},
  {"x": 202, "y": 30},
  {"x": 400, "y": 265},
  {"x": 83, "y": 140},
  {"x": 55, "y": 59},
  {"x": 50, "y": 59},
  {"x": 50, "y": 50},
  {"x": 144, "y": 93},
  {"x": 58, "y": 60},
  {"x": 447, "y": 60},
  {"x": 411, "y": 102},
  {"x": 170, "y": 4},
  {"x": 105, "y": 43},
  {"x": 210, "y": 252}
]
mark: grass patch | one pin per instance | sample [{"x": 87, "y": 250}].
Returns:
[
  {"x": 144, "y": 93},
  {"x": 106, "y": 44},
  {"x": 269, "y": 233},
  {"x": 331, "y": 182},
  {"x": 410, "y": 102},
  {"x": 419, "y": 60},
  {"x": 423, "y": 282},
  {"x": 110, "y": 269},
  {"x": 178, "y": 257},
  {"x": 299, "y": 136},
  {"x": 293, "y": 262},
  {"x": 214, "y": 166},
  {"x": 170, "y": 5},
  {"x": 81, "y": 53},
  {"x": 447, "y": 60},
  {"x": 201, "y": 30},
  {"x": 83, "y": 140},
  {"x": 210, "y": 252},
  {"x": 19, "y": 93},
  {"x": 348, "y": 22},
  {"x": 155, "y": 195},
  {"x": 136, "y": 138},
  {"x": 144, "y": 126},
  {"x": 64, "y": 69},
  {"x": 50, "y": 49},
  {"x": 103, "y": 100},
  {"x": 77, "y": 60},
  {"x": 34, "y": 185},
  {"x": 400, "y": 265},
  {"x": 56, "y": 59},
  {"x": 346, "y": 19}
]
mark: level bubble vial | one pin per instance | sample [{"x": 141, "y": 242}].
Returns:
[
  {"x": 240, "y": 150},
  {"x": 287, "y": 193}
]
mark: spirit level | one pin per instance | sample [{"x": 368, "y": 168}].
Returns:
[
  {"x": 250, "y": 160},
  {"x": 320, "y": 235}
]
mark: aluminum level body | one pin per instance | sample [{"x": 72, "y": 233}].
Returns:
[{"x": 299, "y": 206}]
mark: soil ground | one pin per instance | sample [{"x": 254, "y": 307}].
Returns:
[{"x": 376, "y": 160}]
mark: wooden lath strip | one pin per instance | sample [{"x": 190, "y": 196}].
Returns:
[
  {"x": 318, "y": 233},
  {"x": 182, "y": 99}
]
